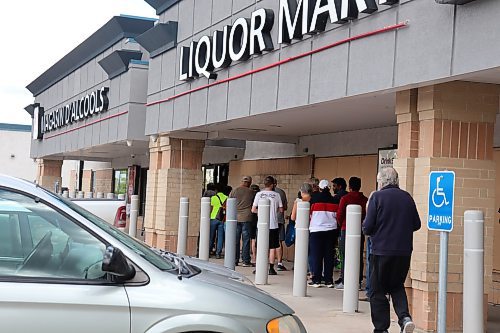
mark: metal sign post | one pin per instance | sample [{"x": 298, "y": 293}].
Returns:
[{"x": 441, "y": 202}]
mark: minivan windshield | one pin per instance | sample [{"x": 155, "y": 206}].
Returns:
[{"x": 138, "y": 247}]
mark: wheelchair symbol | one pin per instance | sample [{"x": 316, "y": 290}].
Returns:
[{"x": 438, "y": 192}]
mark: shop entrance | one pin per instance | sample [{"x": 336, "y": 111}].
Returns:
[{"x": 215, "y": 173}]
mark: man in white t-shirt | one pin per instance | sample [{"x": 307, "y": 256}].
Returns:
[{"x": 276, "y": 205}]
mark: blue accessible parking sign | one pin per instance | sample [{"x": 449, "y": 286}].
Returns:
[{"x": 441, "y": 196}]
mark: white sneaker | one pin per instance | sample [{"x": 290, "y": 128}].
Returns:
[
  {"x": 408, "y": 327},
  {"x": 340, "y": 286}
]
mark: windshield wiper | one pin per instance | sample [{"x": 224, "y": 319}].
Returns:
[{"x": 183, "y": 267}]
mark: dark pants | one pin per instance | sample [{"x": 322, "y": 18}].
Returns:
[
  {"x": 388, "y": 274},
  {"x": 361, "y": 255},
  {"x": 322, "y": 244},
  {"x": 243, "y": 230}
]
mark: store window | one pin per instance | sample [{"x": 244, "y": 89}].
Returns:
[{"x": 120, "y": 181}]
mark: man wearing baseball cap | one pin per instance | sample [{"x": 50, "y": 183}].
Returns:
[{"x": 244, "y": 199}]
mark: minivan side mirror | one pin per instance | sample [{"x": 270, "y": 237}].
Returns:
[{"x": 115, "y": 263}]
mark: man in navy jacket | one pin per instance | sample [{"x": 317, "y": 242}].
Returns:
[{"x": 391, "y": 219}]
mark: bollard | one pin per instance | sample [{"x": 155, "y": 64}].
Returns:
[
  {"x": 206, "y": 208},
  {"x": 262, "y": 265},
  {"x": 134, "y": 212},
  {"x": 110, "y": 196},
  {"x": 121, "y": 196},
  {"x": 352, "y": 248},
  {"x": 473, "y": 311},
  {"x": 183, "y": 226},
  {"x": 301, "y": 249},
  {"x": 100, "y": 195},
  {"x": 79, "y": 195},
  {"x": 72, "y": 194},
  {"x": 230, "y": 245},
  {"x": 65, "y": 194},
  {"x": 89, "y": 195}
]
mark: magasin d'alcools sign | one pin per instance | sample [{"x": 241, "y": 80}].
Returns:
[
  {"x": 77, "y": 110},
  {"x": 249, "y": 36}
]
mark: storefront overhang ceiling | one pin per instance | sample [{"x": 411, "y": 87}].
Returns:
[
  {"x": 116, "y": 29},
  {"x": 107, "y": 152},
  {"x": 361, "y": 112}
]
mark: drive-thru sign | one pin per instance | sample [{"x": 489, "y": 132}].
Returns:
[{"x": 441, "y": 196}]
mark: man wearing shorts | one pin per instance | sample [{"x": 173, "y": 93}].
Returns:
[
  {"x": 281, "y": 225},
  {"x": 276, "y": 206}
]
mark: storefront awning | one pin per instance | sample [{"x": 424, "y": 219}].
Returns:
[
  {"x": 162, "y": 37},
  {"x": 117, "y": 62},
  {"x": 161, "y": 5}
]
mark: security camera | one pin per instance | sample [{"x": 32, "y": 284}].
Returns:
[{"x": 132, "y": 155}]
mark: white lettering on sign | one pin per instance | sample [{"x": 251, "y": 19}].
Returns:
[
  {"x": 247, "y": 37},
  {"x": 90, "y": 104}
]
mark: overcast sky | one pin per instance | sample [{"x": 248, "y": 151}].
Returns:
[{"x": 36, "y": 34}]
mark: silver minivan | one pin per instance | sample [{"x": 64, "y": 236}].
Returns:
[{"x": 64, "y": 270}]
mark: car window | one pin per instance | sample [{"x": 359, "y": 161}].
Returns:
[{"x": 38, "y": 241}]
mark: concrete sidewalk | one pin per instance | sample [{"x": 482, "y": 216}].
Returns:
[{"x": 321, "y": 310}]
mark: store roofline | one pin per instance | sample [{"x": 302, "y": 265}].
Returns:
[
  {"x": 15, "y": 127},
  {"x": 116, "y": 29}
]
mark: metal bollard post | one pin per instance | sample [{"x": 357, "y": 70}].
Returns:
[
  {"x": 301, "y": 249},
  {"x": 89, "y": 195},
  {"x": 134, "y": 212},
  {"x": 206, "y": 208},
  {"x": 65, "y": 194},
  {"x": 79, "y": 195},
  {"x": 230, "y": 245},
  {"x": 473, "y": 311},
  {"x": 352, "y": 248},
  {"x": 121, "y": 196},
  {"x": 110, "y": 196},
  {"x": 72, "y": 194},
  {"x": 100, "y": 195},
  {"x": 183, "y": 226},
  {"x": 262, "y": 265}
]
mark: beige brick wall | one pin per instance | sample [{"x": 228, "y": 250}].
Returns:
[{"x": 48, "y": 172}]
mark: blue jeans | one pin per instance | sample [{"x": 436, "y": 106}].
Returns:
[
  {"x": 216, "y": 226},
  {"x": 243, "y": 232}
]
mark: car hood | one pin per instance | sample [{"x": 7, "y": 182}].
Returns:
[{"x": 228, "y": 279}]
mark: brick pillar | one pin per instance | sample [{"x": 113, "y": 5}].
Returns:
[
  {"x": 447, "y": 127},
  {"x": 48, "y": 172},
  {"x": 168, "y": 165}
]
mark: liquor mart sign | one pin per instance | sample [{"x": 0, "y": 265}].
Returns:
[
  {"x": 77, "y": 110},
  {"x": 249, "y": 36}
]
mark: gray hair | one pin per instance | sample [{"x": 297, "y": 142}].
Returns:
[
  {"x": 306, "y": 188},
  {"x": 387, "y": 176}
]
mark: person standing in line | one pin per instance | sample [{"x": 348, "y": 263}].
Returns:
[
  {"x": 305, "y": 193},
  {"x": 244, "y": 198},
  {"x": 217, "y": 202},
  {"x": 391, "y": 220},
  {"x": 339, "y": 186},
  {"x": 354, "y": 197},
  {"x": 322, "y": 226},
  {"x": 253, "y": 227},
  {"x": 281, "y": 225},
  {"x": 368, "y": 259},
  {"x": 276, "y": 206}
]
